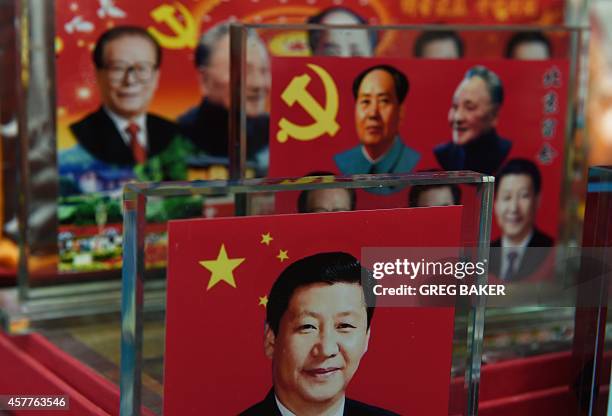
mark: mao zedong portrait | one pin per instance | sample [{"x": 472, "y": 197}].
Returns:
[
  {"x": 317, "y": 330},
  {"x": 122, "y": 132},
  {"x": 473, "y": 118},
  {"x": 379, "y": 92}
]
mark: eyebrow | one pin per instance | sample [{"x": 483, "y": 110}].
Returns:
[
  {"x": 306, "y": 313},
  {"x": 317, "y": 316},
  {"x": 347, "y": 313}
]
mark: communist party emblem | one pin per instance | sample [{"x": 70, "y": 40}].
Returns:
[
  {"x": 324, "y": 116},
  {"x": 184, "y": 33}
]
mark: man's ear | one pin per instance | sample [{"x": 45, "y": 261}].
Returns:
[
  {"x": 269, "y": 339},
  {"x": 367, "y": 342}
]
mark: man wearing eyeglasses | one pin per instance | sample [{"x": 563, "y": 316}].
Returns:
[{"x": 121, "y": 131}]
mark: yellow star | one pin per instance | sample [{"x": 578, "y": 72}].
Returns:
[
  {"x": 263, "y": 301},
  {"x": 221, "y": 268},
  {"x": 282, "y": 255},
  {"x": 266, "y": 239}
]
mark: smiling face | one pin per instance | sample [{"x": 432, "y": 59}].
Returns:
[
  {"x": 215, "y": 78},
  {"x": 515, "y": 206},
  {"x": 377, "y": 112},
  {"x": 320, "y": 341},
  {"x": 129, "y": 78},
  {"x": 472, "y": 113}
]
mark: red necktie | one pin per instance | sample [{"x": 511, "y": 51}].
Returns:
[{"x": 138, "y": 151}]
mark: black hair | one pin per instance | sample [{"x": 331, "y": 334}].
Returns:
[
  {"x": 521, "y": 167},
  {"x": 329, "y": 268},
  {"x": 208, "y": 42},
  {"x": 120, "y": 32},
  {"x": 402, "y": 85},
  {"x": 314, "y": 36},
  {"x": 433, "y": 35},
  {"x": 302, "y": 203},
  {"x": 527, "y": 37}
]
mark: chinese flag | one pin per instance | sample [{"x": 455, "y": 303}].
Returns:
[{"x": 220, "y": 272}]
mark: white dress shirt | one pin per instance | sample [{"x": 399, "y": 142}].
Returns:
[
  {"x": 123, "y": 123},
  {"x": 286, "y": 412}
]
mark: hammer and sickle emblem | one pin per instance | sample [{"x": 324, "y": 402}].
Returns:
[
  {"x": 185, "y": 33},
  {"x": 324, "y": 117}
]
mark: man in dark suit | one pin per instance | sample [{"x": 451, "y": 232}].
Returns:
[
  {"x": 317, "y": 330},
  {"x": 522, "y": 248},
  {"x": 121, "y": 132},
  {"x": 207, "y": 124},
  {"x": 269, "y": 407},
  {"x": 473, "y": 115}
]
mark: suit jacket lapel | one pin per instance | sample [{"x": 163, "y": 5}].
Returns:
[
  {"x": 534, "y": 256},
  {"x": 155, "y": 143},
  {"x": 270, "y": 404},
  {"x": 114, "y": 148}
]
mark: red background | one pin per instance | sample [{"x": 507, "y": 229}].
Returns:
[
  {"x": 178, "y": 89},
  {"x": 214, "y": 361},
  {"x": 425, "y": 115}
]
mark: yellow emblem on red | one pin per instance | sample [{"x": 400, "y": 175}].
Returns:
[{"x": 324, "y": 116}]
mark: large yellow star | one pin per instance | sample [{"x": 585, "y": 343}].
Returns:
[
  {"x": 263, "y": 301},
  {"x": 282, "y": 255},
  {"x": 221, "y": 268},
  {"x": 266, "y": 239}
]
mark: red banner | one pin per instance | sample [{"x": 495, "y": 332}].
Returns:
[
  {"x": 219, "y": 276},
  {"x": 85, "y": 184},
  {"x": 178, "y": 26},
  {"x": 530, "y": 122}
]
